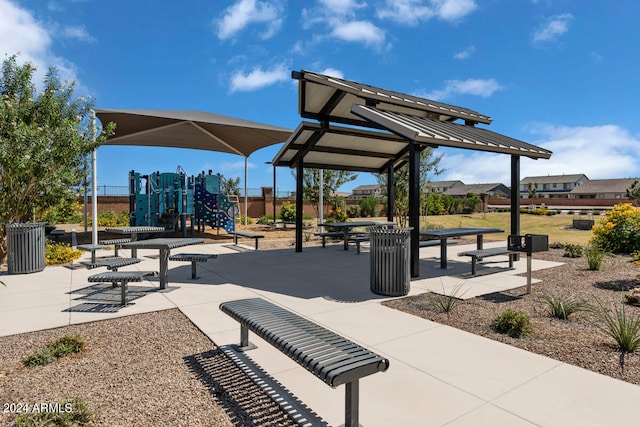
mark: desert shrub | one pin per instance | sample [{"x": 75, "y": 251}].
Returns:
[
  {"x": 622, "y": 327},
  {"x": 369, "y": 206},
  {"x": 68, "y": 412},
  {"x": 447, "y": 303},
  {"x": 55, "y": 350},
  {"x": 111, "y": 219},
  {"x": 556, "y": 245},
  {"x": 337, "y": 215},
  {"x": 240, "y": 219},
  {"x": 288, "y": 212},
  {"x": 265, "y": 220},
  {"x": 59, "y": 253},
  {"x": 66, "y": 212},
  {"x": 594, "y": 257},
  {"x": 353, "y": 211},
  {"x": 513, "y": 323},
  {"x": 561, "y": 307},
  {"x": 619, "y": 230},
  {"x": 573, "y": 251}
]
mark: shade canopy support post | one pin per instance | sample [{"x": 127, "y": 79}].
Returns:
[
  {"x": 390, "y": 192},
  {"x": 246, "y": 198},
  {"x": 515, "y": 198},
  {"x": 299, "y": 204},
  {"x": 94, "y": 183},
  {"x": 414, "y": 207}
]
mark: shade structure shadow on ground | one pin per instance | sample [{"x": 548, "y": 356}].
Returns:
[{"x": 246, "y": 392}]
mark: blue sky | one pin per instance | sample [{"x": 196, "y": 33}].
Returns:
[{"x": 560, "y": 74}]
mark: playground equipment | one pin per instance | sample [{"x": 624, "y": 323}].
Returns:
[{"x": 164, "y": 199}]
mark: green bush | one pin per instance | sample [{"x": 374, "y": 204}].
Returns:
[
  {"x": 594, "y": 257},
  {"x": 111, "y": 219},
  {"x": 240, "y": 219},
  {"x": 55, "y": 350},
  {"x": 513, "y": 323},
  {"x": 288, "y": 212},
  {"x": 59, "y": 253},
  {"x": 354, "y": 211},
  {"x": 619, "y": 230},
  {"x": 369, "y": 206},
  {"x": 573, "y": 251},
  {"x": 265, "y": 220}
]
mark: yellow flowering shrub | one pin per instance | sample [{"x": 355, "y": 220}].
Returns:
[
  {"x": 619, "y": 230},
  {"x": 60, "y": 253}
]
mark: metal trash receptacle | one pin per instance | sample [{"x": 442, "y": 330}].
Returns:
[
  {"x": 25, "y": 247},
  {"x": 389, "y": 258}
]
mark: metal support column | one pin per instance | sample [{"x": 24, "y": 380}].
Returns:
[
  {"x": 299, "y": 204},
  {"x": 390, "y": 192},
  {"x": 414, "y": 207},
  {"x": 515, "y": 198}
]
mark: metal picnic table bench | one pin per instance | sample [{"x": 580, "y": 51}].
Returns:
[
  {"x": 329, "y": 356},
  {"x": 445, "y": 233}
]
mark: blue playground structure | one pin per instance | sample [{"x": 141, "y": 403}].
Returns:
[{"x": 165, "y": 199}]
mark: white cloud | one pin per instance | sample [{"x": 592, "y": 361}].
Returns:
[
  {"x": 478, "y": 87},
  {"x": 341, "y": 7},
  {"x": 21, "y": 33},
  {"x": 465, "y": 53},
  {"x": 412, "y": 12},
  {"x": 245, "y": 12},
  {"x": 78, "y": 33},
  {"x": 600, "y": 152},
  {"x": 551, "y": 30},
  {"x": 359, "y": 31},
  {"x": 332, "y": 72},
  {"x": 259, "y": 78}
]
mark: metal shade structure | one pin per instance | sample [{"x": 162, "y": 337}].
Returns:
[
  {"x": 190, "y": 129},
  {"x": 197, "y": 130},
  {"x": 400, "y": 126}
]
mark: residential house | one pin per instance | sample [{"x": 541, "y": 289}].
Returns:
[
  {"x": 441, "y": 186},
  {"x": 362, "y": 191},
  {"x": 603, "y": 189},
  {"x": 495, "y": 190},
  {"x": 550, "y": 186}
]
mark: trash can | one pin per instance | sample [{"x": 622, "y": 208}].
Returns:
[
  {"x": 389, "y": 257},
  {"x": 25, "y": 247}
]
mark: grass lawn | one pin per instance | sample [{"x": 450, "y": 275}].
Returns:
[{"x": 557, "y": 227}]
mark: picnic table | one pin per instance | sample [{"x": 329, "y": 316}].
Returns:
[
  {"x": 133, "y": 231},
  {"x": 348, "y": 225},
  {"x": 164, "y": 245},
  {"x": 445, "y": 233}
]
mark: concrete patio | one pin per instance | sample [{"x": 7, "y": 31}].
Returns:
[{"x": 438, "y": 375}]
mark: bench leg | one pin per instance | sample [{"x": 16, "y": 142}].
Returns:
[
  {"x": 351, "y": 404},
  {"x": 323, "y": 241},
  {"x": 235, "y": 239},
  {"x": 358, "y": 247},
  {"x": 115, "y": 250},
  {"x": 510, "y": 260},
  {"x": 474, "y": 262},
  {"x": 93, "y": 257},
  {"x": 256, "y": 243},
  {"x": 193, "y": 269},
  {"x": 245, "y": 345},
  {"x": 123, "y": 292}
]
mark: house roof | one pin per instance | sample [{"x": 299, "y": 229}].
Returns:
[
  {"x": 367, "y": 187},
  {"x": 600, "y": 186},
  {"x": 445, "y": 184},
  {"x": 461, "y": 190},
  {"x": 551, "y": 179}
]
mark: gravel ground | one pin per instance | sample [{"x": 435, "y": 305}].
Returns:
[
  {"x": 154, "y": 369},
  {"x": 577, "y": 340}
]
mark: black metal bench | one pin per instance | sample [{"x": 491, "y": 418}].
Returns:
[
  {"x": 193, "y": 258},
  {"x": 122, "y": 277},
  {"x": 479, "y": 254},
  {"x": 92, "y": 248},
  {"x": 237, "y": 234},
  {"x": 326, "y": 234},
  {"x": 329, "y": 356},
  {"x": 111, "y": 263},
  {"x": 358, "y": 239},
  {"x": 116, "y": 243}
]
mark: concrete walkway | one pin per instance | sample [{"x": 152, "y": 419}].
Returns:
[{"x": 438, "y": 375}]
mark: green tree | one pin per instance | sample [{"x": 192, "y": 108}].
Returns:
[
  {"x": 429, "y": 167},
  {"x": 633, "y": 193},
  {"x": 229, "y": 185},
  {"x": 332, "y": 180},
  {"x": 44, "y": 140}
]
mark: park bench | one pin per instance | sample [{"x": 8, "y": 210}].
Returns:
[
  {"x": 193, "y": 258},
  {"x": 329, "y": 356},
  {"x": 479, "y": 254},
  {"x": 111, "y": 263},
  {"x": 116, "y": 243},
  {"x": 326, "y": 234},
  {"x": 92, "y": 248},
  {"x": 237, "y": 234},
  {"x": 358, "y": 239},
  {"x": 123, "y": 278}
]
